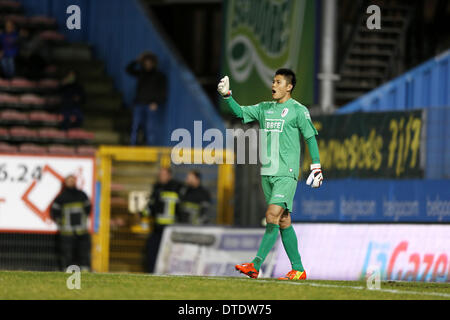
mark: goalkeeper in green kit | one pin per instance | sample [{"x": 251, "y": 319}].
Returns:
[{"x": 283, "y": 121}]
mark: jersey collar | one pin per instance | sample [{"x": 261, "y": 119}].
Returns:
[{"x": 281, "y": 104}]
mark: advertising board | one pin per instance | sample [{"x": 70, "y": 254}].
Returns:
[
  {"x": 404, "y": 252},
  {"x": 29, "y": 184},
  {"x": 209, "y": 251}
]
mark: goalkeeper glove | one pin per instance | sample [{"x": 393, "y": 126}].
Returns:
[
  {"x": 224, "y": 87},
  {"x": 315, "y": 177}
]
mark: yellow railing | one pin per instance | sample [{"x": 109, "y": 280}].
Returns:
[{"x": 105, "y": 157}]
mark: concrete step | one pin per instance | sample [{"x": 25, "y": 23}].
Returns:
[
  {"x": 363, "y": 69},
  {"x": 370, "y": 52},
  {"x": 106, "y": 97},
  {"x": 131, "y": 187},
  {"x": 98, "y": 123},
  {"x": 366, "y": 62},
  {"x": 396, "y": 21},
  {"x": 127, "y": 169},
  {"x": 397, "y": 8},
  {"x": 359, "y": 85},
  {"x": 385, "y": 30},
  {"x": 70, "y": 52},
  {"x": 362, "y": 75},
  {"x": 103, "y": 104},
  {"x": 86, "y": 69},
  {"x": 103, "y": 110},
  {"x": 100, "y": 86},
  {"x": 107, "y": 137},
  {"x": 139, "y": 243},
  {"x": 142, "y": 182},
  {"x": 376, "y": 41}
]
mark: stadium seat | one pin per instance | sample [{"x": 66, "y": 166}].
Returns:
[
  {"x": 8, "y": 6},
  {"x": 13, "y": 117},
  {"x": 42, "y": 21},
  {"x": 31, "y": 148},
  {"x": 32, "y": 100},
  {"x": 86, "y": 151},
  {"x": 49, "y": 35},
  {"x": 80, "y": 134},
  {"x": 52, "y": 135},
  {"x": 22, "y": 134},
  {"x": 61, "y": 149},
  {"x": 8, "y": 148},
  {"x": 4, "y": 134},
  {"x": 19, "y": 20},
  {"x": 48, "y": 85},
  {"x": 44, "y": 118},
  {"x": 22, "y": 85},
  {"x": 8, "y": 100},
  {"x": 4, "y": 84}
]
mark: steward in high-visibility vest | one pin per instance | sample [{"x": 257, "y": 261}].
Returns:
[
  {"x": 162, "y": 207},
  {"x": 195, "y": 201},
  {"x": 70, "y": 211}
]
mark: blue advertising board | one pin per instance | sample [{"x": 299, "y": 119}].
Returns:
[{"x": 356, "y": 200}]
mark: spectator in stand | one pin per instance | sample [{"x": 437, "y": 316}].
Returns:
[
  {"x": 9, "y": 42},
  {"x": 150, "y": 95},
  {"x": 70, "y": 211},
  {"x": 194, "y": 201},
  {"x": 33, "y": 53},
  {"x": 72, "y": 98}
]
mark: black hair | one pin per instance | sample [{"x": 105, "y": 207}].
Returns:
[
  {"x": 150, "y": 56},
  {"x": 197, "y": 174},
  {"x": 289, "y": 75}
]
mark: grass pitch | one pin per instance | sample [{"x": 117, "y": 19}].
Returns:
[{"x": 52, "y": 285}]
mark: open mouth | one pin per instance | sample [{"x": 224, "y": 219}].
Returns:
[{"x": 273, "y": 91}]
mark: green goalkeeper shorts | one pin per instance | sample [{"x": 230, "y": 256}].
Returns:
[{"x": 279, "y": 190}]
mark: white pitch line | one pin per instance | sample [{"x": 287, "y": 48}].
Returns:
[
  {"x": 305, "y": 283},
  {"x": 312, "y": 284}
]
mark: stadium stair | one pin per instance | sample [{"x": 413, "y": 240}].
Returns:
[
  {"x": 128, "y": 240},
  {"x": 29, "y": 108},
  {"x": 371, "y": 57},
  {"x": 110, "y": 123},
  {"x": 103, "y": 110},
  {"x": 127, "y": 248}
]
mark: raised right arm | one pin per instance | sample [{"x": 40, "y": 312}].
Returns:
[
  {"x": 246, "y": 113},
  {"x": 235, "y": 108}
]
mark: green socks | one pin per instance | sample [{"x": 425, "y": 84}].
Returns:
[
  {"x": 290, "y": 244},
  {"x": 289, "y": 239},
  {"x": 267, "y": 242}
]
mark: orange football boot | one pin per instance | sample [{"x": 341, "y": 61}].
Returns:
[
  {"x": 294, "y": 275},
  {"x": 247, "y": 269}
]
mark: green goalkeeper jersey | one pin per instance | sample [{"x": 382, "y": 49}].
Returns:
[{"x": 281, "y": 126}]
